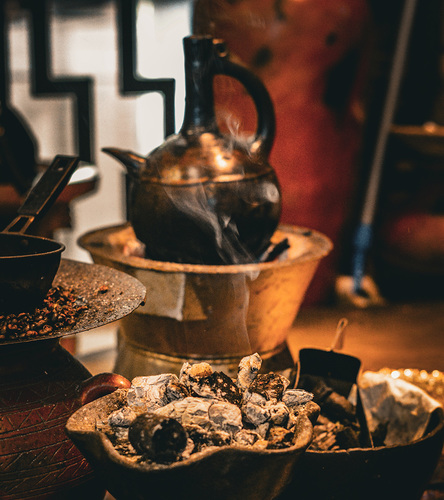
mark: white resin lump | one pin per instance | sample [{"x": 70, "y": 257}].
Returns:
[{"x": 254, "y": 410}]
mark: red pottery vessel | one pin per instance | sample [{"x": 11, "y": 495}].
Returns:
[
  {"x": 311, "y": 57},
  {"x": 41, "y": 386}
]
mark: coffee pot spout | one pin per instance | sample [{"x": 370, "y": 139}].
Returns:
[{"x": 133, "y": 162}]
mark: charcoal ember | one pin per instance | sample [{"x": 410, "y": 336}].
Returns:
[
  {"x": 123, "y": 417},
  {"x": 248, "y": 369},
  {"x": 159, "y": 438},
  {"x": 347, "y": 437},
  {"x": 189, "y": 411},
  {"x": 140, "y": 403},
  {"x": 262, "y": 429},
  {"x": 203, "y": 438},
  {"x": 226, "y": 416},
  {"x": 339, "y": 408},
  {"x": 296, "y": 397},
  {"x": 154, "y": 391},
  {"x": 292, "y": 419},
  {"x": 246, "y": 437},
  {"x": 217, "y": 385},
  {"x": 219, "y": 438},
  {"x": 253, "y": 397},
  {"x": 329, "y": 436},
  {"x": 279, "y": 414},
  {"x": 176, "y": 390},
  {"x": 270, "y": 385},
  {"x": 279, "y": 437},
  {"x": 255, "y": 414},
  {"x": 254, "y": 410}
]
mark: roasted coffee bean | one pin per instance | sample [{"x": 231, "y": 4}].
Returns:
[{"x": 60, "y": 309}]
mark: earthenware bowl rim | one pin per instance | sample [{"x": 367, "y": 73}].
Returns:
[{"x": 315, "y": 255}]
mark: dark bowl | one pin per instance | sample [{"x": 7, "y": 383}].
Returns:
[
  {"x": 225, "y": 473},
  {"x": 384, "y": 473},
  {"x": 28, "y": 265}
]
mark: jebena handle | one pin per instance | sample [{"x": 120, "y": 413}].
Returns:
[{"x": 266, "y": 122}]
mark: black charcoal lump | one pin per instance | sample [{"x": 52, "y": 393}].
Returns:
[
  {"x": 161, "y": 439},
  {"x": 337, "y": 427}
]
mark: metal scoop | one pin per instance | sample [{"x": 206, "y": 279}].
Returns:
[{"x": 338, "y": 371}]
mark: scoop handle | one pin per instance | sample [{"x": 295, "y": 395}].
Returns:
[{"x": 44, "y": 193}]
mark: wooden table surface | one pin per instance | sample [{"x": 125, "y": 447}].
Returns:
[{"x": 393, "y": 336}]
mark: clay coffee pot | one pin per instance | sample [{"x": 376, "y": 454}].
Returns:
[{"x": 203, "y": 197}]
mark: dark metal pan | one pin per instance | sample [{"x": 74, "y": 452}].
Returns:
[
  {"x": 337, "y": 371},
  {"x": 123, "y": 294},
  {"x": 29, "y": 263}
]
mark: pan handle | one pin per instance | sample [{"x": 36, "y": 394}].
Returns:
[{"x": 44, "y": 193}]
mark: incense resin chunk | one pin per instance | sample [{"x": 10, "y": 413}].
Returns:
[
  {"x": 270, "y": 385},
  {"x": 192, "y": 372}
]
